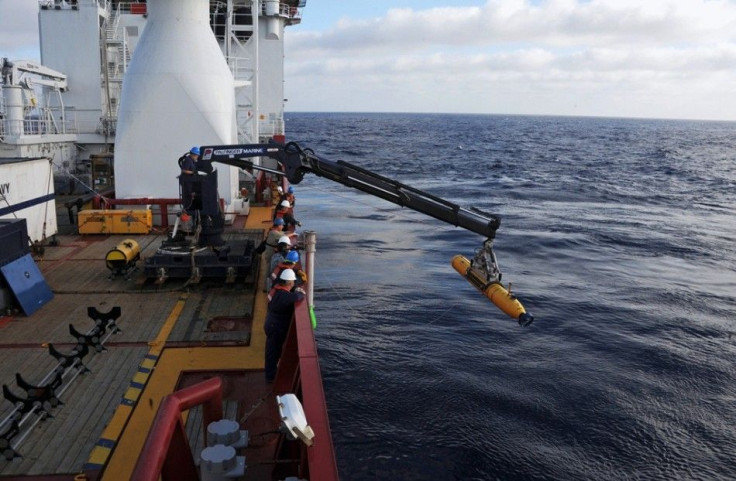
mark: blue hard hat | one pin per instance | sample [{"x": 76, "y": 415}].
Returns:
[
  {"x": 194, "y": 150},
  {"x": 278, "y": 221},
  {"x": 292, "y": 256},
  {"x": 291, "y": 190}
]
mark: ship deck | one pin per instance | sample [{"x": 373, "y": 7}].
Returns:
[{"x": 171, "y": 336}]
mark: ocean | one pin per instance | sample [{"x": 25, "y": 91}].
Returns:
[{"x": 616, "y": 234}]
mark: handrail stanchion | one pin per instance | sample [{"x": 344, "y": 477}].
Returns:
[{"x": 310, "y": 240}]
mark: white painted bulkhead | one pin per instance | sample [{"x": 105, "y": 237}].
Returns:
[
  {"x": 178, "y": 92},
  {"x": 271, "y": 79},
  {"x": 70, "y": 43},
  {"x": 27, "y": 192}
]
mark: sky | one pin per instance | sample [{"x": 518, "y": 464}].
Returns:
[{"x": 616, "y": 58}]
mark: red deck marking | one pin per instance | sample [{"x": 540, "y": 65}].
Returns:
[{"x": 79, "y": 246}]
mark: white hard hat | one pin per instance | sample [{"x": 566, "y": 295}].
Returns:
[
  {"x": 281, "y": 191},
  {"x": 284, "y": 239},
  {"x": 287, "y": 275},
  {"x": 285, "y": 203}
]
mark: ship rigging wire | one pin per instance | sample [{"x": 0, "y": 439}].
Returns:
[
  {"x": 361, "y": 317},
  {"x": 80, "y": 181},
  {"x": 49, "y": 183},
  {"x": 398, "y": 212}
]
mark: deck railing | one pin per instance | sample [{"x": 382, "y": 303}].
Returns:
[
  {"x": 299, "y": 373},
  {"x": 166, "y": 454}
]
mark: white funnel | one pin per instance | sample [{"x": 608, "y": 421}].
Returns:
[{"x": 177, "y": 93}]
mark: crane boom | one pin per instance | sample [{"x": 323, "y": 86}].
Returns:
[
  {"x": 482, "y": 272},
  {"x": 297, "y": 161}
]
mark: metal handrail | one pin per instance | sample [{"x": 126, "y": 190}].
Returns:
[
  {"x": 166, "y": 454},
  {"x": 125, "y": 6},
  {"x": 298, "y": 370},
  {"x": 46, "y": 4}
]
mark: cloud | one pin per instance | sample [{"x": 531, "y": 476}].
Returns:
[
  {"x": 587, "y": 57},
  {"x": 555, "y": 23},
  {"x": 666, "y": 60},
  {"x": 593, "y": 57},
  {"x": 19, "y": 29}
]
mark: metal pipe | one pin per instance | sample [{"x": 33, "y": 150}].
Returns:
[
  {"x": 310, "y": 241},
  {"x": 12, "y": 414},
  {"x": 18, "y": 441},
  {"x": 176, "y": 226},
  {"x": 75, "y": 365},
  {"x": 69, "y": 383},
  {"x": 228, "y": 29},
  {"x": 256, "y": 13}
]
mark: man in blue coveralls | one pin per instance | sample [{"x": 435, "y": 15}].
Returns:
[
  {"x": 188, "y": 162},
  {"x": 278, "y": 319}
]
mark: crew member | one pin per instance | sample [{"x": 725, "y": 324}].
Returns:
[
  {"x": 7, "y": 72},
  {"x": 188, "y": 162},
  {"x": 291, "y": 261},
  {"x": 283, "y": 211},
  {"x": 282, "y": 248},
  {"x": 272, "y": 244},
  {"x": 188, "y": 166},
  {"x": 278, "y": 319},
  {"x": 288, "y": 195}
]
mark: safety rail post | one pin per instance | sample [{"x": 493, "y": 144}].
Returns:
[
  {"x": 310, "y": 241},
  {"x": 166, "y": 454}
]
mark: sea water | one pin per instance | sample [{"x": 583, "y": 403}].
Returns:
[{"x": 616, "y": 234}]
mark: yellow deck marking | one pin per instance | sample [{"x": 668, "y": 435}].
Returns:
[
  {"x": 261, "y": 219},
  {"x": 169, "y": 363},
  {"x": 102, "y": 449}
]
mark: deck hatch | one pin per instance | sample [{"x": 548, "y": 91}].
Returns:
[{"x": 229, "y": 324}]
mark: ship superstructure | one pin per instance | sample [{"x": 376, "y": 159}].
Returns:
[{"x": 92, "y": 43}]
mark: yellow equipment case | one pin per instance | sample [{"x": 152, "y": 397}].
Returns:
[{"x": 115, "y": 221}]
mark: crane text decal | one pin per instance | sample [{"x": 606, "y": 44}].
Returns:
[
  {"x": 237, "y": 152},
  {"x": 4, "y": 190}
]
